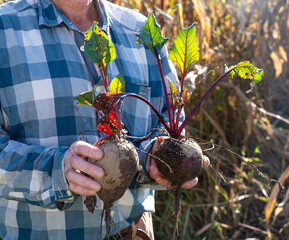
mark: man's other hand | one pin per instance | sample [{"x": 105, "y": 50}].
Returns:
[
  {"x": 78, "y": 170},
  {"x": 155, "y": 174}
]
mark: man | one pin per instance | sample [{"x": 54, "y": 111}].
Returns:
[{"x": 44, "y": 139}]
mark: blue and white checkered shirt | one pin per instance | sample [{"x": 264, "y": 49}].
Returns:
[{"x": 41, "y": 71}]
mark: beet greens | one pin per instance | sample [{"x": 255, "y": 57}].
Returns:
[
  {"x": 185, "y": 52},
  {"x": 101, "y": 51},
  {"x": 120, "y": 171}
]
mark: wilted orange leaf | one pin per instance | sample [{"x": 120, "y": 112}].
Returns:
[
  {"x": 278, "y": 63},
  {"x": 273, "y": 199}
]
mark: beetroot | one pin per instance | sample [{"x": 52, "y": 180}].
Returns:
[
  {"x": 181, "y": 159},
  {"x": 178, "y": 160},
  {"x": 120, "y": 161},
  {"x": 120, "y": 164}
]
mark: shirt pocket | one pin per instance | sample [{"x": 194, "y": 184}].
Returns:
[{"x": 136, "y": 114}]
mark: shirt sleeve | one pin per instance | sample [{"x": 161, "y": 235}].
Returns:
[{"x": 33, "y": 174}]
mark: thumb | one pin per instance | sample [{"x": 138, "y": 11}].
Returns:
[{"x": 158, "y": 141}]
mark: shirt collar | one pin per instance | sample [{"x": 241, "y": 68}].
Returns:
[{"x": 50, "y": 16}]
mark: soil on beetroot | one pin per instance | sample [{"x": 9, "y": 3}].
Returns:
[{"x": 183, "y": 159}]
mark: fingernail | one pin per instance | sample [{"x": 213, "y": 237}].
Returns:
[
  {"x": 96, "y": 186},
  {"x": 98, "y": 154},
  {"x": 206, "y": 161},
  {"x": 195, "y": 181},
  {"x": 99, "y": 173},
  {"x": 157, "y": 179}
]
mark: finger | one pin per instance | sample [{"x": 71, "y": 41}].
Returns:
[
  {"x": 154, "y": 174},
  {"x": 162, "y": 181},
  {"x": 190, "y": 184},
  {"x": 85, "y": 149},
  {"x": 161, "y": 139},
  {"x": 153, "y": 170},
  {"x": 76, "y": 178},
  {"x": 80, "y": 190},
  {"x": 82, "y": 165},
  {"x": 157, "y": 142},
  {"x": 206, "y": 161}
]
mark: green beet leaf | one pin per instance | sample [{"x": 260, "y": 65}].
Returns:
[
  {"x": 98, "y": 47},
  {"x": 185, "y": 50},
  {"x": 85, "y": 98},
  {"x": 150, "y": 35},
  {"x": 116, "y": 85},
  {"x": 247, "y": 70}
]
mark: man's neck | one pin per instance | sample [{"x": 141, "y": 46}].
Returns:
[{"x": 80, "y": 13}]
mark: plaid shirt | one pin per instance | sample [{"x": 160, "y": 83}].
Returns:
[{"x": 41, "y": 71}]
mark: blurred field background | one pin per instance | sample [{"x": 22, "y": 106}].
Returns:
[{"x": 244, "y": 127}]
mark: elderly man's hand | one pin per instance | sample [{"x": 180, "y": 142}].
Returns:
[
  {"x": 76, "y": 167},
  {"x": 154, "y": 173}
]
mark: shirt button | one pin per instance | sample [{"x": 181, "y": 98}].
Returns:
[{"x": 82, "y": 48}]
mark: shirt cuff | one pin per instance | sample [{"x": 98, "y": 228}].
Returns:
[
  {"x": 64, "y": 197},
  {"x": 144, "y": 157}
]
